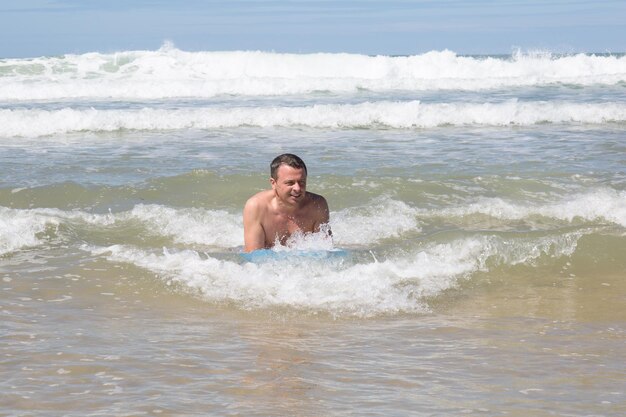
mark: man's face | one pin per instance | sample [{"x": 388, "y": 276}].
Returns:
[{"x": 290, "y": 184}]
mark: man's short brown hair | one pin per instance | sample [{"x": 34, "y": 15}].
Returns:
[{"x": 290, "y": 159}]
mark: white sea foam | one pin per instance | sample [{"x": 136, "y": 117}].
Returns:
[
  {"x": 218, "y": 228},
  {"x": 399, "y": 115},
  {"x": 397, "y": 284},
  {"x": 190, "y": 225},
  {"x": 169, "y": 72},
  {"x": 604, "y": 204},
  {"x": 380, "y": 219},
  {"x": 22, "y": 228},
  {"x": 317, "y": 241}
]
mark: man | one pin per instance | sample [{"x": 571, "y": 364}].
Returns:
[{"x": 272, "y": 216}]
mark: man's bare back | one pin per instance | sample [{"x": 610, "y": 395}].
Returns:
[{"x": 274, "y": 215}]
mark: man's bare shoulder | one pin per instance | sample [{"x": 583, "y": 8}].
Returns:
[
  {"x": 259, "y": 201},
  {"x": 318, "y": 205},
  {"x": 316, "y": 199}
]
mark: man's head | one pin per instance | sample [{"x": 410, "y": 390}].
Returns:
[
  {"x": 289, "y": 159},
  {"x": 288, "y": 179}
]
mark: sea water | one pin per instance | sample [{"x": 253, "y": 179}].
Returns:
[{"x": 481, "y": 199}]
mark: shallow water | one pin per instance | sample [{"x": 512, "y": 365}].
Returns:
[
  {"x": 483, "y": 209},
  {"x": 125, "y": 344}
]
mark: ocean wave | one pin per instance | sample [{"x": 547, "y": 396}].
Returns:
[
  {"x": 381, "y": 219},
  {"x": 600, "y": 205},
  {"x": 365, "y": 226},
  {"x": 169, "y": 72},
  {"x": 217, "y": 229},
  {"x": 23, "y": 228},
  {"x": 190, "y": 226},
  {"x": 400, "y": 283},
  {"x": 374, "y": 115}
]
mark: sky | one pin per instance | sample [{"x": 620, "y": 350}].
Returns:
[{"x": 32, "y": 28}]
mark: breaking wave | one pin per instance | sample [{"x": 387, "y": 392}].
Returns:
[
  {"x": 359, "y": 226},
  {"x": 373, "y": 115},
  {"x": 400, "y": 283},
  {"x": 170, "y": 72}
]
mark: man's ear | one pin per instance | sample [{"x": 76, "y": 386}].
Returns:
[{"x": 272, "y": 182}]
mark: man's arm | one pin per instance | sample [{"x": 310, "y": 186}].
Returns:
[
  {"x": 253, "y": 232},
  {"x": 322, "y": 215}
]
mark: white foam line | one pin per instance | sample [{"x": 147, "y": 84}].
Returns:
[
  {"x": 602, "y": 204},
  {"x": 398, "y": 115}
]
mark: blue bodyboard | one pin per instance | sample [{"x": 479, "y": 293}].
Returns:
[{"x": 269, "y": 255}]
